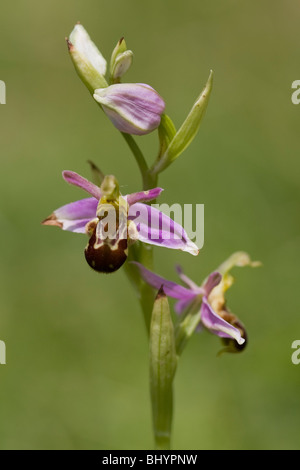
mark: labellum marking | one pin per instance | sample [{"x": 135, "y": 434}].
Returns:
[{"x": 108, "y": 254}]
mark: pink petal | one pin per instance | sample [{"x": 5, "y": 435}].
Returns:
[
  {"x": 74, "y": 216},
  {"x": 217, "y": 325},
  {"x": 143, "y": 196},
  {"x": 133, "y": 108},
  {"x": 76, "y": 180},
  {"x": 212, "y": 281},
  {"x": 176, "y": 291},
  {"x": 156, "y": 228}
]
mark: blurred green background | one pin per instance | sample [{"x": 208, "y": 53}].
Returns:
[{"x": 77, "y": 351}]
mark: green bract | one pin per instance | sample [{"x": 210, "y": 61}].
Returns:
[
  {"x": 163, "y": 363},
  {"x": 187, "y": 132}
]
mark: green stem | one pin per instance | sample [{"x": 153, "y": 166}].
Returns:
[
  {"x": 139, "y": 157},
  {"x": 187, "y": 326},
  {"x": 146, "y": 291},
  {"x": 145, "y": 252},
  {"x": 162, "y": 407},
  {"x": 163, "y": 412}
]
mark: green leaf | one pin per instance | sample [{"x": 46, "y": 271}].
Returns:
[
  {"x": 188, "y": 131},
  {"x": 166, "y": 133},
  {"x": 163, "y": 361},
  {"x": 187, "y": 325}
]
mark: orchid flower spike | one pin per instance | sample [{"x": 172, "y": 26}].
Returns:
[
  {"x": 209, "y": 298},
  {"x": 113, "y": 222}
]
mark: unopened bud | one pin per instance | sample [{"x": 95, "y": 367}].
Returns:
[
  {"x": 87, "y": 59},
  {"x": 121, "y": 60},
  {"x": 121, "y": 65},
  {"x": 133, "y": 108}
]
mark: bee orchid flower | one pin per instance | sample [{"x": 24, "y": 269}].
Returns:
[
  {"x": 210, "y": 301},
  {"x": 113, "y": 222}
]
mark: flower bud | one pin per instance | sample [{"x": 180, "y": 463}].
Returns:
[
  {"x": 121, "y": 65},
  {"x": 87, "y": 59},
  {"x": 119, "y": 49},
  {"x": 121, "y": 60},
  {"x": 133, "y": 108}
]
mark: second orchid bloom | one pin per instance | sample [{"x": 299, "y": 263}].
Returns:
[{"x": 206, "y": 303}]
